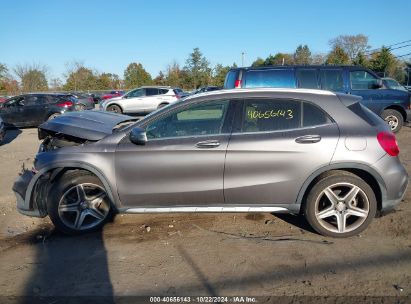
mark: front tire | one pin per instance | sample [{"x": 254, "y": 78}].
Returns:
[
  {"x": 340, "y": 205},
  {"x": 115, "y": 109},
  {"x": 78, "y": 203},
  {"x": 394, "y": 119}
]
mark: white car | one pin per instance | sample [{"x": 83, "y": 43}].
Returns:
[{"x": 141, "y": 100}]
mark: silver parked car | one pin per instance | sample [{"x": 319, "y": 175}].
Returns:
[
  {"x": 141, "y": 100},
  {"x": 304, "y": 151}
]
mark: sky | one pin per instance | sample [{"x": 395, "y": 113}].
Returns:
[{"x": 108, "y": 35}]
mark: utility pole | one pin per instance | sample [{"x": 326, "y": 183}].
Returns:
[{"x": 242, "y": 58}]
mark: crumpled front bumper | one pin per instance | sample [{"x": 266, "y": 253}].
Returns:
[{"x": 23, "y": 190}]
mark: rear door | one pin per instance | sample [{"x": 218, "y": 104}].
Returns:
[
  {"x": 152, "y": 99},
  {"x": 274, "y": 148}
]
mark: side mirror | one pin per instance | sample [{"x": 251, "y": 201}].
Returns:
[
  {"x": 377, "y": 84},
  {"x": 138, "y": 136}
]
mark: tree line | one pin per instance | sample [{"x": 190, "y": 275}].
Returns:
[{"x": 197, "y": 70}]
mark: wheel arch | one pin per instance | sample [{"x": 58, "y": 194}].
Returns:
[
  {"x": 369, "y": 175},
  {"x": 53, "y": 172},
  {"x": 397, "y": 108}
]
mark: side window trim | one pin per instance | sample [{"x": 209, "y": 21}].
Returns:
[
  {"x": 240, "y": 116},
  {"x": 359, "y": 70},
  {"x": 226, "y": 128}
]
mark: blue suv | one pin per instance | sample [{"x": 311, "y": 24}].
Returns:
[{"x": 390, "y": 104}]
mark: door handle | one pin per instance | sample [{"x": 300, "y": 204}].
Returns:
[
  {"x": 308, "y": 139},
  {"x": 208, "y": 144}
]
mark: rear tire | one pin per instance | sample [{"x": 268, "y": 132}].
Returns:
[
  {"x": 78, "y": 203},
  {"x": 341, "y": 204},
  {"x": 394, "y": 119},
  {"x": 115, "y": 109},
  {"x": 52, "y": 116}
]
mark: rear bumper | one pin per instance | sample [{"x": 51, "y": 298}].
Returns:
[
  {"x": 22, "y": 189},
  {"x": 395, "y": 179}
]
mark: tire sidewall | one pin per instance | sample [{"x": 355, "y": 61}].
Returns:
[
  {"x": 64, "y": 183},
  {"x": 119, "y": 111},
  {"x": 309, "y": 209}
]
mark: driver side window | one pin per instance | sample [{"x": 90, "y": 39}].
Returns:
[
  {"x": 195, "y": 120},
  {"x": 362, "y": 80}
]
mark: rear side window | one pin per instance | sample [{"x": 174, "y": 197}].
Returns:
[
  {"x": 162, "y": 91},
  {"x": 230, "y": 79},
  {"x": 307, "y": 78},
  {"x": 270, "y": 78},
  {"x": 276, "y": 115},
  {"x": 151, "y": 91},
  {"x": 271, "y": 115},
  {"x": 366, "y": 114},
  {"x": 332, "y": 80},
  {"x": 314, "y": 116}
]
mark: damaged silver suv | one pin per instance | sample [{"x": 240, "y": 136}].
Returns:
[{"x": 312, "y": 152}]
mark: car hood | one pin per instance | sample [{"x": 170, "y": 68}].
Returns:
[{"x": 89, "y": 125}]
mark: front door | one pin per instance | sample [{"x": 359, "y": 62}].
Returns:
[
  {"x": 12, "y": 112},
  {"x": 278, "y": 144},
  {"x": 363, "y": 83},
  {"x": 182, "y": 163}
]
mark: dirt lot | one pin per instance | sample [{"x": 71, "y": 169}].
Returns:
[{"x": 198, "y": 254}]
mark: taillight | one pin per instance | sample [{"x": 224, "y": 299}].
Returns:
[
  {"x": 65, "y": 104},
  {"x": 90, "y": 99},
  {"x": 388, "y": 143},
  {"x": 177, "y": 96},
  {"x": 237, "y": 84}
]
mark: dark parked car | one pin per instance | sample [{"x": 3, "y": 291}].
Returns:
[
  {"x": 2, "y": 130},
  {"x": 31, "y": 110},
  {"x": 207, "y": 89},
  {"x": 180, "y": 93},
  {"x": 263, "y": 150},
  {"x": 82, "y": 101},
  {"x": 391, "y": 104}
]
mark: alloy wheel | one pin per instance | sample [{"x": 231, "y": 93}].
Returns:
[
  {"x": 392, "y": 121},
  {"x": 342, "y": 207},
  {"x": 83, "y": 206}
]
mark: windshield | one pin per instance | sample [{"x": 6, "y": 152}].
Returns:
[{"x": 393, "y": 84}]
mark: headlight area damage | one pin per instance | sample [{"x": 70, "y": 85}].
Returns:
[{"x": 71, "y": 129}]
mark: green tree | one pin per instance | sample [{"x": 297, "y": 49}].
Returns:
[
  {"x": 3, "y": 76},
  {"x": 279, "y": 59},
  {"x": 82, "y": 79},
  {"x": 136, "y": 76},
  {"x": 106, "y": 81},
  {"x": 302, "y": 55},
  {"x": 32, "y": 77},
  {"x": 197, "y": 68},
  {"x": 160, "y": 79},
  {"x": 361, "y": 60},
  {"x": 384, "y": 62},
  {"x": 220, "y": 72},
  {"x": 258, "y": 62},
  {"x": 352, "y": 45},
  {"x": 337, "y": 56}
]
